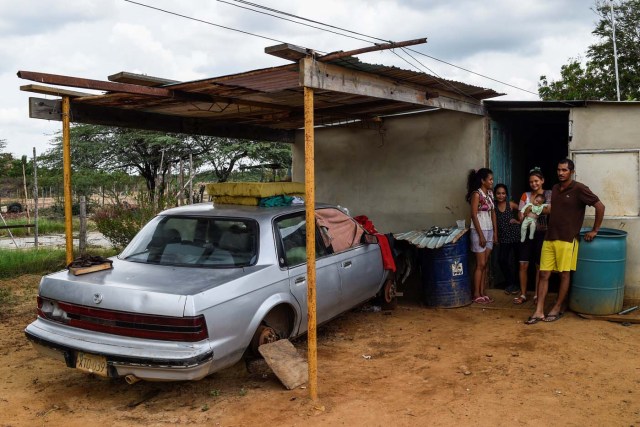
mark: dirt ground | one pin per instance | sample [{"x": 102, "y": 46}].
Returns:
[{"x": 416, "y": 366}]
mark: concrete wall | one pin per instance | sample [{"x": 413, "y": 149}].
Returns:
[
  {"x": 409, "y": 175},
  {"x": 606, "y": 126},
  {"x": 606, "y": 149}
]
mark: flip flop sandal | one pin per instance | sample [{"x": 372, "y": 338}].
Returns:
[
  {"x": 520, "y": 300},
  {"x": 533, "y": 320},
  {"x": 480, "y": 300},
  {"x": 488, "y": 299},
  {"x": 552, "y": 317}
]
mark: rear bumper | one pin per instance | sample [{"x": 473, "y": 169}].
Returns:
[{"x": 146, "y": 359}]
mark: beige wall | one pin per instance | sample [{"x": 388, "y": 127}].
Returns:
[
  {"x": 606, "y": 125},
  {"x": 606, "y": 147},
  {"x": 410, "y": 176}
]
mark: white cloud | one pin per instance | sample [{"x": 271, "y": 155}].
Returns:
[{"x": 510, "y": 40}]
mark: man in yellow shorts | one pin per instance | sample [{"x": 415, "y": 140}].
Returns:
[{"x": 569, "y": 199}]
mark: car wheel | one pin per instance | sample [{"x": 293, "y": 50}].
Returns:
[
  {"x": 264, "y": 335},
  {"x": 388, "y": 299}
]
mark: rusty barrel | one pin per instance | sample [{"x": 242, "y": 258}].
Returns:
[
  {"x": 445, "y": 275},
  {"x": 598, "y": 283}
]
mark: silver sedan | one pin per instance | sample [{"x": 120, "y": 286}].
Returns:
[{"x": 200, "y": 287}]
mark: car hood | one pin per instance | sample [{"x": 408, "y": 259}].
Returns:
[{"x": 138, "y": 287}]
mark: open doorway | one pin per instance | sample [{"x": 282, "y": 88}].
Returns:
[{"x": 522, "y": 139}]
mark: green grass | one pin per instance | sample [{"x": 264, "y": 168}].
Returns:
[
  {"x": 16, "y": 262},
  {"x": 45, "y": 226}
]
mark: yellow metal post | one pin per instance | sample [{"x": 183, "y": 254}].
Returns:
[
  {"x": 66, "y": 167},
  {"x": 309, "y": 194}
]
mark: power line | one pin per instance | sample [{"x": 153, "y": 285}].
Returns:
[
  {"x": 291, "y": 20},
  {"x": 307, "y": 19},
  {"x": 322, "y": 29},
  {"x": 375, "y": 38},
  {"x": 442, "y": 80},
  {"x": 203, "y": 21},
  {"x": 433, "y": 72},
  {"x": 469, "y": 71}
]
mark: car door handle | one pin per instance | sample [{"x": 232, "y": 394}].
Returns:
[
  {"x": 346, "y": 264},
  {"x": 300, "y": 280}
]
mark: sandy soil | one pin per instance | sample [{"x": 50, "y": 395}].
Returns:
[{"x": 415, "y": 366}]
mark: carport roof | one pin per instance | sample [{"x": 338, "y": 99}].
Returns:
[{"x": 264, "y": 104}]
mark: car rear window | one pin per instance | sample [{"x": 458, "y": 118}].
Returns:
[{"x": 195, "y": 241}]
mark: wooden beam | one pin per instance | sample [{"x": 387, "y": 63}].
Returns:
[
  {"x": 139, "y": 79},
  {"x": 134, "y": 89},
  {"x": 54, "y": 91},
  {"x": 287, "y": 51},
  {"x": 50, "y": 109},
  {"x": 319, "y": 75},
  {"x": 331, "y": 77},
  {"x": 447, "y": 103},
  {"x": 66, "y": 177},
  {"x": 69, "y": 81},
  {"x": 310, "y": 209},
  {"x": 383, "y": 46}
]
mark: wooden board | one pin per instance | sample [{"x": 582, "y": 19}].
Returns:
[
  {"x": 77, "y": 271},
  {"x": 283, "y": 358},
  {"x": 459, "y": 235}
]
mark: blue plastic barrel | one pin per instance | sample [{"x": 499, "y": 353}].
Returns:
[
  {"x": 598, "y": 282},
  {"x": 445, "y": 275}
]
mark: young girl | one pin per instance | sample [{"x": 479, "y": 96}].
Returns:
[
  {"x": 483, "y": 228},
  {"x": 508, "y": 233}
]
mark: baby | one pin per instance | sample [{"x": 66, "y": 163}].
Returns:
[{"x": 531, "y": 212}]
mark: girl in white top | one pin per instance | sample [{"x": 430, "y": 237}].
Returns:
[{"x": 483, "y": 228}]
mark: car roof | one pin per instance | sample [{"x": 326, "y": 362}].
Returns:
[{"x": 224, "y": 210}]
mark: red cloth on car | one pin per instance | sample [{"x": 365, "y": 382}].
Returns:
[{"x": 385, "y": 249}]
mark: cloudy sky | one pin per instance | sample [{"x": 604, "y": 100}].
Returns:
[{"x": 511, "y": 41}]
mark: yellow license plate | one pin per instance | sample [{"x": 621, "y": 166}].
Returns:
[{"x": 92, "y": 364}]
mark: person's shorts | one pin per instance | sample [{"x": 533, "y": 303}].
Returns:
[
  {"x": 475, "y": 240},
  {"x": 558, "y": 255},
  {"x": 530, "y": 249}
]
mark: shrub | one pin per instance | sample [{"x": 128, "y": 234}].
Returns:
[
  {"x": 120, "y": 223},
  {"x": 16, "y": 262},
  {"x": 58, "y": 209}
]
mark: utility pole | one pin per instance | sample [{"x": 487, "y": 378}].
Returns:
[{"x": 615, "y": 50}]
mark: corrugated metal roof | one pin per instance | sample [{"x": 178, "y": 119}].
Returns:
[
  {"x": 278, "y": 96},
  {"x": 424, "y": 239},
  {"x": 265, "y": 103}
]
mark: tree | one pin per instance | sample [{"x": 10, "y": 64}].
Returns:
[
  {"x": 152, "y": 154},
  {"x": 596, "y": 78},
  {"x": 226, "y": 153},
  {"x": 149, "y": 154},
  {"x": 5, "y": 158}
]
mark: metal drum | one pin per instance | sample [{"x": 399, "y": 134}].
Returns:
[
  {"x": 598, "y": 283},
  {"x": 445, "y": 275}
]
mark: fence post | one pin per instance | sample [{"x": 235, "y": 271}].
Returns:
[
  {"x": 35, "y": 198},
  {"x": 190, "y": 178},
  {"x": 26, "y": 195},
  {"x": 82, "y": 239}
]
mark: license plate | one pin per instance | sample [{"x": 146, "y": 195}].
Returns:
[{"x": 92, "y": 364}]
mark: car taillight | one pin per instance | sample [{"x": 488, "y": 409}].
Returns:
[{"x": 166, "y": 328}]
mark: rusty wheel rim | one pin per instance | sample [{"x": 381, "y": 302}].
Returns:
[
  {"x": 389, "y": 290},
  {"x": 267, "y": 335}
]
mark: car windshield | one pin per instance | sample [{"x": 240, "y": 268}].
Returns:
[{"x": 195, "y": 241}]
